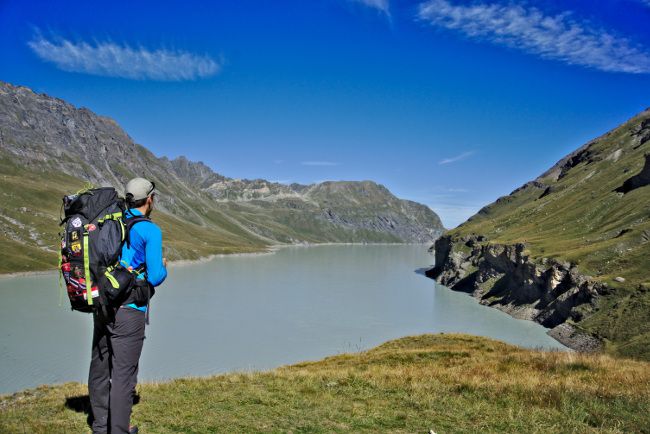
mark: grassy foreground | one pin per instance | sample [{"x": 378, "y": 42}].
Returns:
[{"x": 447, "y": 383}]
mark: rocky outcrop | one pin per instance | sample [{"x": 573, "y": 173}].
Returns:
[
  {"x": 639, "y": 180},
  {"x": 549, "y": 292},
  {"x": 573, "y": 337}
]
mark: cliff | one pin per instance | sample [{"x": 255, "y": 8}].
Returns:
[{"x": 551, "y": 293}]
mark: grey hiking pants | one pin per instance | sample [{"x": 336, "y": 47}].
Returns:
[{"x": 117, "y": 344}]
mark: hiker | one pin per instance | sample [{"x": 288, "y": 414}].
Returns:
[{"x": 118, "y": 336}]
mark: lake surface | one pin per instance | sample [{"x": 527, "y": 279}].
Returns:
[{"x": 252, "y": 312}]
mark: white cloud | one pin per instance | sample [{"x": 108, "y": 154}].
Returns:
[
  {"x": 559, "y": 37},
  {"x": 459, "y": 157},
  {"x": 114, "y": 60},
  {"x": 319, "y": 163},
  {"x": 380, "y": 5}
]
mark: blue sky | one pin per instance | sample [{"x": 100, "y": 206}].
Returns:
[{"x": 450, "y": 103}]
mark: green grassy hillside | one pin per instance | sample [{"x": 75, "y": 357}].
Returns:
[
  {"x": 445, "y": 383},
  {"x": 30, "y": 206},
  {"x": 591, "y": 209}
]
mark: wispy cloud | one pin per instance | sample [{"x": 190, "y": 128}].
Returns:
[
  {"x": 319, "y": 163},
  {"x": 118, "y": 60},
  {"x": 560, "y": 37},
  {"x": 459, "y": 157},
  {"x": 381, "y": 5}
]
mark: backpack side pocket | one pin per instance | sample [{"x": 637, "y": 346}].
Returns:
[
  {"x": 142, "y": 292},
  {"x": 117, "y": 284}
]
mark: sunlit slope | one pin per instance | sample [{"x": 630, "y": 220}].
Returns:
[
  {"x": 30, "y": 206},
  {"x": 592, "y": 209},
  {"x": 575, "y": 212}
]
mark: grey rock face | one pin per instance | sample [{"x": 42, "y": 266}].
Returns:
[
  {"x": 572, "y": 337},
  {"x": 551, "y": 293}
]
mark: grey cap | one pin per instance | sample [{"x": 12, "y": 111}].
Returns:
[{"x": 139, "y": 188}]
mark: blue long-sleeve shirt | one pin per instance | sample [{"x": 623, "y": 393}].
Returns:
[{"x": 145, "y": 247}]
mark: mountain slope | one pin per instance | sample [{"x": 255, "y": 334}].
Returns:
[
  {"x": 570, "y": 249},
  {"x": 49, "y": 148}
]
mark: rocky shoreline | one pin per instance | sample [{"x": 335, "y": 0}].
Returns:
[{"x": 549, "y": 292}]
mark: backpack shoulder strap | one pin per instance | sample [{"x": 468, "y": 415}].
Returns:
[{"x": 129, "y": 223}]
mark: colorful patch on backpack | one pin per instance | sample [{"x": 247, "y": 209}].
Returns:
[
  {"x": 73, "y": 291},
  {"x": 94, "y": 291},
  {"x": 74, "y": 236},
  {"x": 75, "y": 247},
  {"x": 91, "y": 227},
  {"x": 77, "y": 271},
  {"x": 76, "y": 222}
]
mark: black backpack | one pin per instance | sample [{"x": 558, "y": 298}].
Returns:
[{"x": 95, "y": 229}]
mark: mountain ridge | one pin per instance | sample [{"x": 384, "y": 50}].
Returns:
[{"x": 202, "y": 211}]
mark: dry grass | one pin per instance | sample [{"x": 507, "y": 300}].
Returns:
[{"x": 448, "y": 383}]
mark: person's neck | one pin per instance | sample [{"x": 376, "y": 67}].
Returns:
[{"x": 143, "y": 210}]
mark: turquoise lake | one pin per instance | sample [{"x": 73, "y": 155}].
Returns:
[{"x": 252, "y": 312}]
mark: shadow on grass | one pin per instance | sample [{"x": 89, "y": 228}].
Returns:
[{"x": 81, "y": 404}]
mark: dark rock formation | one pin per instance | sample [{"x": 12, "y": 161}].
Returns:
[
  {"x": 639, "y": 180},
  {"x": 551, "y": 293}
]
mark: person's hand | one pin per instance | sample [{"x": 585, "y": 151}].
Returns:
[{"x": 165, "y": 262}]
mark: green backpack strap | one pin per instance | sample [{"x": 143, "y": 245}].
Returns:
[
  {"x": 60, "y": 280},
  {"x": 89, "y": 283}
]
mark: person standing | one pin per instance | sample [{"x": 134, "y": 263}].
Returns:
[{"x": 118, "y": 339}]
